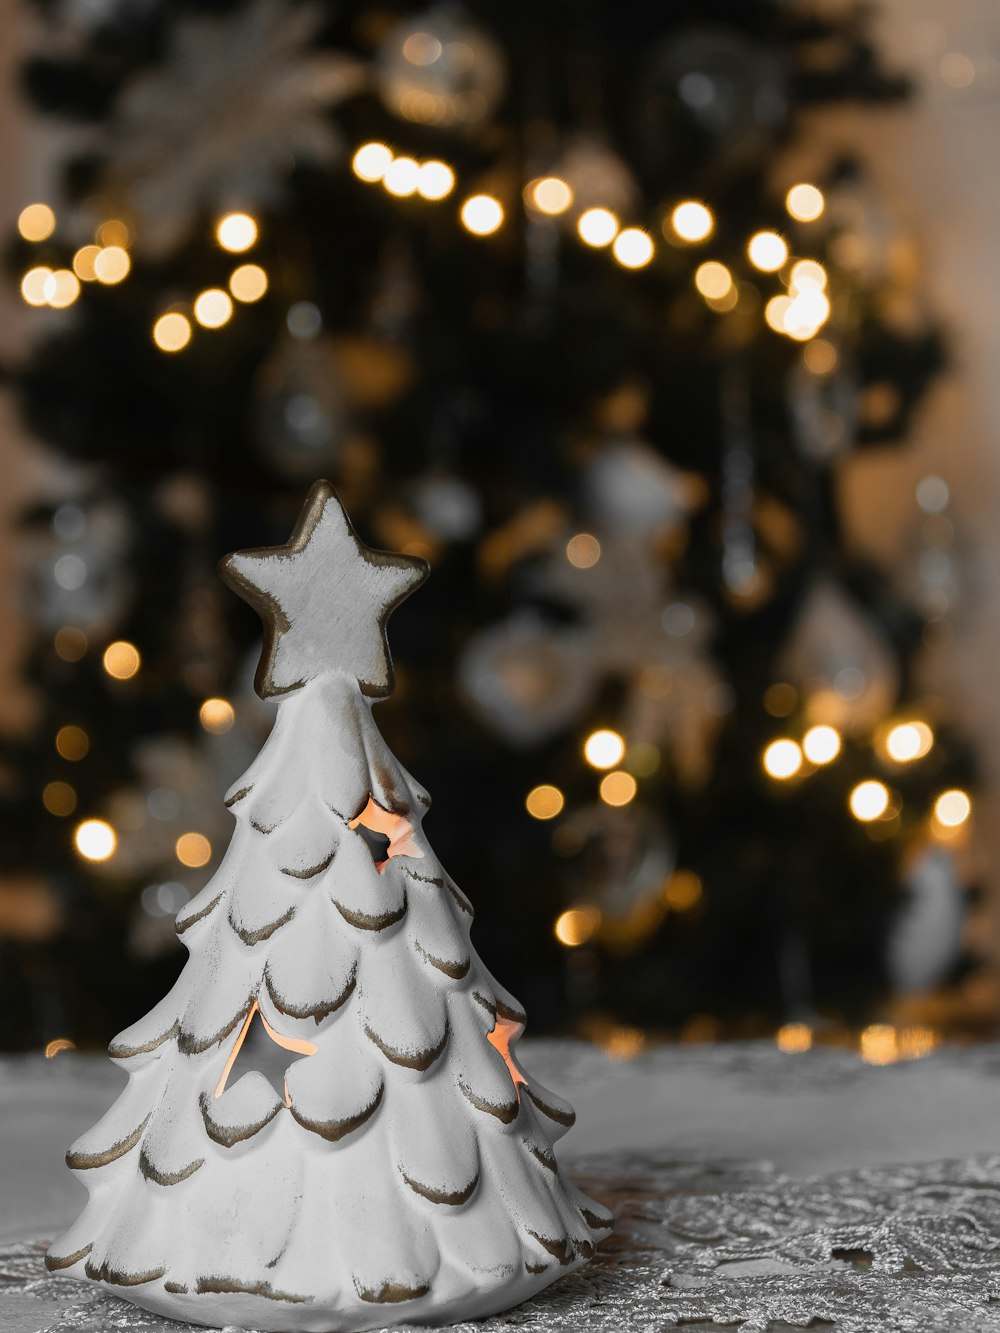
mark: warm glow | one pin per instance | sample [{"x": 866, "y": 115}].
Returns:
[
  {"x": 95, "y": 840},
  {"x": 33, "y": 285},
  {"x": 952, "y": 808},
  {"x": 482, "y": 214},
  {"x": 193, "y": 849},
  {"x": 504, "y": 1032},
  {"x": 59, "y": 798},
  {"x": 821, "y": 744},
  {"x": 767, "y": 251},
  {"x": 111, "y": 265},
  {"x": 577, "y": 925},
  {"x": 370, "y": 162},
  {"x": 805, "y": 202},
  {"x": 549, "y": 195},
  {"x": 597, "y": 227},
  {"x": 869, "y": 800},
  {"x": 544, "y": 802},
  {"x": 692, "y": 221},
  {"x": 401, "y": 177},
  {"x": 713, "y": 280},
  {"x": 604, "y": 749},
  {"x": 248, "y": 282},
  {"x": 583, "y": 550},
  {"x": 820, "y": 357},
  {"x": 113, "y": 232},
  {"x": 794, "y": 1038},
  {"x": 808, "y": 311},
  {"x": 879, "y": 1045},
  {"x": 436, "y": 180},
  {"x": 633, "y": 248},
  {"x": 72, "y": 743},
  {"x": 782, "y": 759},
  {"x": 236, "y": 232},
  {"x": 37, "y": 222},
  {"x": 70, "y": 643},
  {"x": 62, "y": 288},
  {"x": 682, "y": 890},
  {"x": 298, "y": 1045},
  {"x": 806, "y": 274},
  {"x": 83, "y": 262},
  {"x": 172, "y": 332},
  {"x": 121, "y": 659},
  {"x": 56, "y": 1047},
  {"x": 395, "y": 826},
  {"x": 216, "y": 716},
  {"x": 908, "y": 741},
  {"x": 776, "y": 311},
  {"x": 213, "y": 308},
  {"x": 618, "y": 788}
]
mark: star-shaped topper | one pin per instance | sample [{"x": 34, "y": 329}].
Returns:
[{"x": 324, "y": 600}]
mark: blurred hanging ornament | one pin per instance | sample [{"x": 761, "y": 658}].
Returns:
[
  {"x": 823, "y": 404},
  {"x": 719, "y": 83},
  {"x": 841, "y": 662},
  {"x": 438, "y": 68},
  {"x": 926, "y": 936},
  {"x": 448, "y": 506},
  {"x": 78, "y": 577},
  {"x": 630, "y": 489},
  {"x": 526, "y": 678},
  {"x": 237, "y": 100},
  {"x": 596, "y": 175},
  {"x": 301, "y": 418}
]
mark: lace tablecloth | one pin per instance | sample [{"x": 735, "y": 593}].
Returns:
[{"x": 859, "y": 1222}]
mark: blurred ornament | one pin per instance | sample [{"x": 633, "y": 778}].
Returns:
[
  {"x": 632, "y": 490},
  {"x": 525, "y": 678},
  {"x": 221, "y": 122},
  {"x": 438, "y": 68},
  {"x": 718, "y": 82},
  {"x": 926, "y": 936},
  {"x": 841, "y": 662},
  {"x": 596, "y": 175},
  {"x": 448, "y": 506},
  {"x": 80, "y": 577},
  {"x": 823, "y": 408},
  {"x": 301, "y": 417}
]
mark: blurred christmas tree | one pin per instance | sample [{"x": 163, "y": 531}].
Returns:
[{"x": 534, "y": 287}]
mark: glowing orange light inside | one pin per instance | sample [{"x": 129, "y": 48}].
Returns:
[
  {"x": 397, "y": 828},
  {"x": 297, "y": 1044},
  {"x": 503, "y": 1034}
]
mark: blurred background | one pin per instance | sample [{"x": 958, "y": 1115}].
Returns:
[{"x": 666, "y": 334}]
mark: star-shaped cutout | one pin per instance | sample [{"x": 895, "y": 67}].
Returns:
[{"x": 324, "y": 599}]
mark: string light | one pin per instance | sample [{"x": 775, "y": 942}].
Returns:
[
  {"x": 776, "y": 311},
  {"x": 371, "y": 161},
  {"x": 33, "y": 285},
  {"x": 807, "y": 313},
  {"x": 713, "y": 280},
  {"x": 576, "y": 926},
  {"x": 821, "y": 744},
  {"x": 83, "y": 262},
  {"x": 236, "y": 232},
  {"x": 172, "y": 332},
  {"x": 682, "y": 890},
  {"x": 112, "y": 265},
  {"x": 597, "y": 227},
  {"x": 37, "y": 222},
  {"x": 767, "y": 251},
  {"x": 633, "y": 248},
  {"x": 908, "y": 741},
  {"x": 213, "y": 308},
  {"x": 782, "y": 759},
  {"x": 436, "y": 180},
  {"x": 62, "y": 288},
  {"x": 248, "y": 283},
  {"x": 59, "y": 798},
  {"x": 794, "y": 1038},
  {"x": 549, "y": 194},
  {"x": 583, "y": 551},
  {"x": 604, "y": 748},
  {"x": 544, "y": 802},
  {"x": 952, "y": 808},
  {"x": 72, "y": 743},
  {"x": 869, "y": 800},
  {"x": 193, "y": 850},
  {"x": 401, "y": 177},
  {"x": 806, "y": 274},
  {"x": 216, "y": 716},
  {"x": 618, "y": 788},
  {"x": 95, "y": 840},
  {"x": 805, "y": 203},
  {"x": 692, "y": 221},
  {"x": 482, "y": 214},
  {"x": 121, "y": 659}
]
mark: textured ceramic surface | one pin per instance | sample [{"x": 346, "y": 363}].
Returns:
[{"x": 325, "y": 1125}]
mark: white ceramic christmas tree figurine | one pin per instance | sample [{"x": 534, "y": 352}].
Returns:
[{"x": 400, "y": 1165}]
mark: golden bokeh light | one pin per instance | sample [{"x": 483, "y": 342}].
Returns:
[
  {"x": 95, "y": 840},
  {"x": 767, "y": 251},
  {"x": 808, "y": 312},
  {"x": 193, "y": 850},
  {"x": 248, "y": 282},
  {"x": 577, "y": 925},
  {"x": 869, "y": 800},
  {"x": 782, "y": 759},
  {"x": 62, "y": 288},
  {"x": 908, "y": 741},
  {"x": 213, "y": 308},
  {"x": 781, "y": 699},
  {"x": 618, "y": 788},
  {"x": 121, "y": 659},
  {"x": 821, "y": 744},
  {"x": 370, "y": 162},
  {"x": 682, "y": 890},
  {"x": 878, "y": 1044},
  {"x": 482, "y": 214},
  {"x": 59, "y": 798},
  {"x": 692, "y": 221},
  {"x": 713, "y": 280},
  {"x": 83, "y": 262},
  {"x": 72, "y": 743},
  {"x": 806, "y": 274},
  {"x": 794, "y": 1038},
  {"x": 544, "y": 801},
  {"x": 236, "y": 232},
  {"x": 597, "y": 227},
  {"x": 401, "y": 177},
  {"x": 583, "y": 551},
  {"x": 549, "y": 194},
  {"x": 952, "y": 808},
  {"x": 172, "y": 332},
  {"x": 604, "y": 748},
  {"x": 633, "y": 248},
  {"x": 111, "y": 265},
  {"x": 776, "y": 311},
  {"x": 114, "y": 232},
  {"x": 805, "y": 202},
  {"x": 34, "y": 285},
  {"x": 436, "y": 180},
  {"x": 216, "y": 716},
  {"x": 57, "y": 1046},
  {"x": 70, "y": 643},
  {"x": 820, "y": 357},
  {"x": 37, "y": 222}
]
